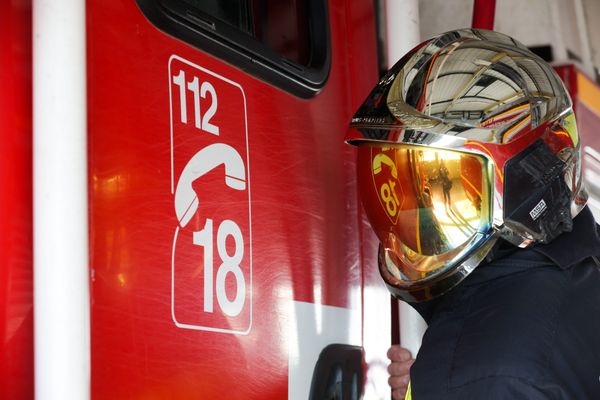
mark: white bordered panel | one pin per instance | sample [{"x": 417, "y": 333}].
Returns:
[{"x": 211, "y": 261}]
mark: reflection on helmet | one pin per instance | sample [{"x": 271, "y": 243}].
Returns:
[
  {"x": 426, "y": 205},
  {"x": 468, "y": 138}
]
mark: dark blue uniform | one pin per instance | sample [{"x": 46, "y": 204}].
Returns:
[{"x": 525, "y": 325}]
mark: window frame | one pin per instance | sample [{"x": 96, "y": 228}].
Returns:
[{"x": 243, "y": 51}]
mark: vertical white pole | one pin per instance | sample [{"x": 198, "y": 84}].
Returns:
[
  {"x": 402, "y": 27},
  {"x": 584, "y": 39},
  {"x": 558, "y": 43},
  {"x": 61, "y": 285},
  {"x": 412, "y": 328},
  {"x": 403, "y": 33}
]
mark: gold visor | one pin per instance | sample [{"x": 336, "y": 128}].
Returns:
[{"x": 428, "y": 207}]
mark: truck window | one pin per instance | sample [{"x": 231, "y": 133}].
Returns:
[{"x": 285, "y": 42}]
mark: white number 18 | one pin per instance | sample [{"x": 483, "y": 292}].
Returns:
[{"x": 230, "y": 263}]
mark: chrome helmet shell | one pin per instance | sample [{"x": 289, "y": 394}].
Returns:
[{"x": 501, "y": 117}]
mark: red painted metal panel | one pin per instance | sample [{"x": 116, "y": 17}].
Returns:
[
  {"x": 589, "y": 125},
  {"x": 16, "y": 279},
  {"x": 295, "y": 226},
  {"x": 483, "y": 14}
]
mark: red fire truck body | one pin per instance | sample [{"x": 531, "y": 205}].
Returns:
[{"x": 229, "y": 256}]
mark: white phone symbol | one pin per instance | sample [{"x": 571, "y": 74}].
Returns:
[{"x": 210, "y": 157}]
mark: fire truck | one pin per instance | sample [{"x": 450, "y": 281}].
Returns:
[
  {"x": 179, "y": 216},
  {"x": 199, "y": 233}
]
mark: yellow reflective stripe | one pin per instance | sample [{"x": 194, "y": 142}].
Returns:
[
  {"x": 571, "y": 127},
  {"x": 588, "y": 93},
  {"x": 498, "y": 171},
  {"x": 515, "y": 129},
  {"x": 408, "y": 393},
  {"x": 418, "y": 231},
  {"x": 468, "y": 182}
]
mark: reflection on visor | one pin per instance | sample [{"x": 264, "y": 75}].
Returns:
[{"x": 426, "y": 205}]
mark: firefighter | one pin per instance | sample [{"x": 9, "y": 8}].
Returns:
[{"x": 512, "y": 294}]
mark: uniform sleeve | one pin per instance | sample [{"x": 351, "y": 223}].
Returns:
[{"x": 503, "y": 388}]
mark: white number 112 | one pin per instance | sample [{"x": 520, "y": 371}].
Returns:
[{"x": 200, "y": 122}]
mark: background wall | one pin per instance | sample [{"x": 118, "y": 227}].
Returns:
[{"x": 568, "y": 28}]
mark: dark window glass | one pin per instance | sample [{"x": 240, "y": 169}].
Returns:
[
  {"x": 285, "y": 42},
  {"x": 283, "y": 26},
  {"x": 236, "y": 13}
]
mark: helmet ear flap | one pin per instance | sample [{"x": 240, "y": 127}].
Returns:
[{"x": 536, "y": 197}]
